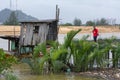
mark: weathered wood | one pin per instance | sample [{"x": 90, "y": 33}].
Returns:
[
  {"x": 8, "y": 45},
  {"x": 29, "y": 33},
  {"x": 46, "y": 31},
  {"x": 26, "y": 35},
  {"x": 21, "y": 41},
  {"x": 53, "y": 31},
  {"x": 34, "y": 41},
  {"x": 57, "y": 13},
  {"x": 43, "y": 31}
]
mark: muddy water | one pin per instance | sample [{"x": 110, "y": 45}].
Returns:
[
  {"x": 4, "y": 43},
  {"x": 101, "y": 36},
  {"x": 23, "y": 72}
]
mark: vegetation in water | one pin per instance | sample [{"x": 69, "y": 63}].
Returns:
[
  {"x": 85, "y": 55},
  {"x": 6, "y": 60},
  {"x": 10, "y": 76}
]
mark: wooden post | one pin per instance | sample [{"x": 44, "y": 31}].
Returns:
[
  {"x": 14, "y": 31},
  {"x": 57, "y": 18},
  {"x": 57, "y": 13},
  {"x": 108, "y": 65},
  {"x": 8, "y": 45}
]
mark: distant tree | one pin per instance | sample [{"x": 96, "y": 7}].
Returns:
[
  {"x": 12, "y": 20},
  {"x": 97, "y": 22},
  {"x": 102, "y": 22},
  {"x": 90, "y": 23},
  {"x": 67, "y": 24},
  {"x": 77, "y": 22}
]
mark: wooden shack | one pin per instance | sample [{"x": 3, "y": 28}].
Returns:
[{"x": 35, "y": 32}]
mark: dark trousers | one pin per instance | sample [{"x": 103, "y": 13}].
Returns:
[{"x": 95, "y": 38}]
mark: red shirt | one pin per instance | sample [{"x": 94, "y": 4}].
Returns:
[{"x": 95, "y": 32}]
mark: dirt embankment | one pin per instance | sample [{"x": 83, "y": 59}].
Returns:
[
  {"x": 88, "y": 29},
  {"x": 9, "y": 30},
  {"x": 15, "y": 30}
]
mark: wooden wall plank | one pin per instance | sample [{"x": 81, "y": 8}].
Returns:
[
  {"x": 43, "y": 31},
  {"x": 30, "y": 35},
  {"x": 21, "y": 41}
]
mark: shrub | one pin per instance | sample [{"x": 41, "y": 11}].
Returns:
[
  {"x": 10, "y": 76},
  {"x": 6, "y": 61}
]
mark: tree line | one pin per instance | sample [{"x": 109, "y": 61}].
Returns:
[{"x": 97, "y": 22}]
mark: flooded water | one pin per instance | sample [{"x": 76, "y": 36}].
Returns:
[
  {"x": 56, "y": 77},
  {"x": 79, "y": 36},
  {"x": 4, "y": 43},
  {"x": 22, "y": 71}
]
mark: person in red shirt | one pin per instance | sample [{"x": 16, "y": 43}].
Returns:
[{"x": 95, "y": 33}]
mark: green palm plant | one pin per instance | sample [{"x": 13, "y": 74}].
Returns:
[
  {"x": 81, "y": 50},
  {"x": 6, "y": 61},
  {"x": 69, "y": 37},
  {"x": 67, "y": 45},
  {"x": 99, "y": 55},
  {"x": 10, "y": 76},
  {"x": 116, "y": 54},
  {"x": 47, "y": 62},
  {"x": 35, "y": 61},
  {"x": 107, "y": 45},
  {"x": 61, "y": 53},
  {"x": 86, "y": 53}
]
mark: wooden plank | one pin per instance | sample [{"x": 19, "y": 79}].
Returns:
[
  {"x": 30, "y": 35},
  {"x": 34, "y": 41},
  {"x": 22, "y": 35},
  {"x": 8, "y": 45},
  {"x": 26, "y": 35},
  {"x": 43, "y": 31}
]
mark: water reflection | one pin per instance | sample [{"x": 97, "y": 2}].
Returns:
[{"x": 23, "y": 72}]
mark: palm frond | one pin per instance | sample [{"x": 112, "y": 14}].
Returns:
[
  {"x": 39, "y": 48},
  {"x": 43, "y": 60},
  {"x": 53, "y": 44},
  {"x": 56, "y": 54},
  {"x": 85, "y": 37},
  {"x": 69, "y": 37}
]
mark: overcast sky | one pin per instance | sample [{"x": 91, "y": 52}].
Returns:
[{"x": 69, "y": 9}]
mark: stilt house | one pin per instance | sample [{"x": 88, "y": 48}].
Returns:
[{"x": 35, "y": 32}]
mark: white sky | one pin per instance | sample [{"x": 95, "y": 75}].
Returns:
[{"x": 69, "y": 9}]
